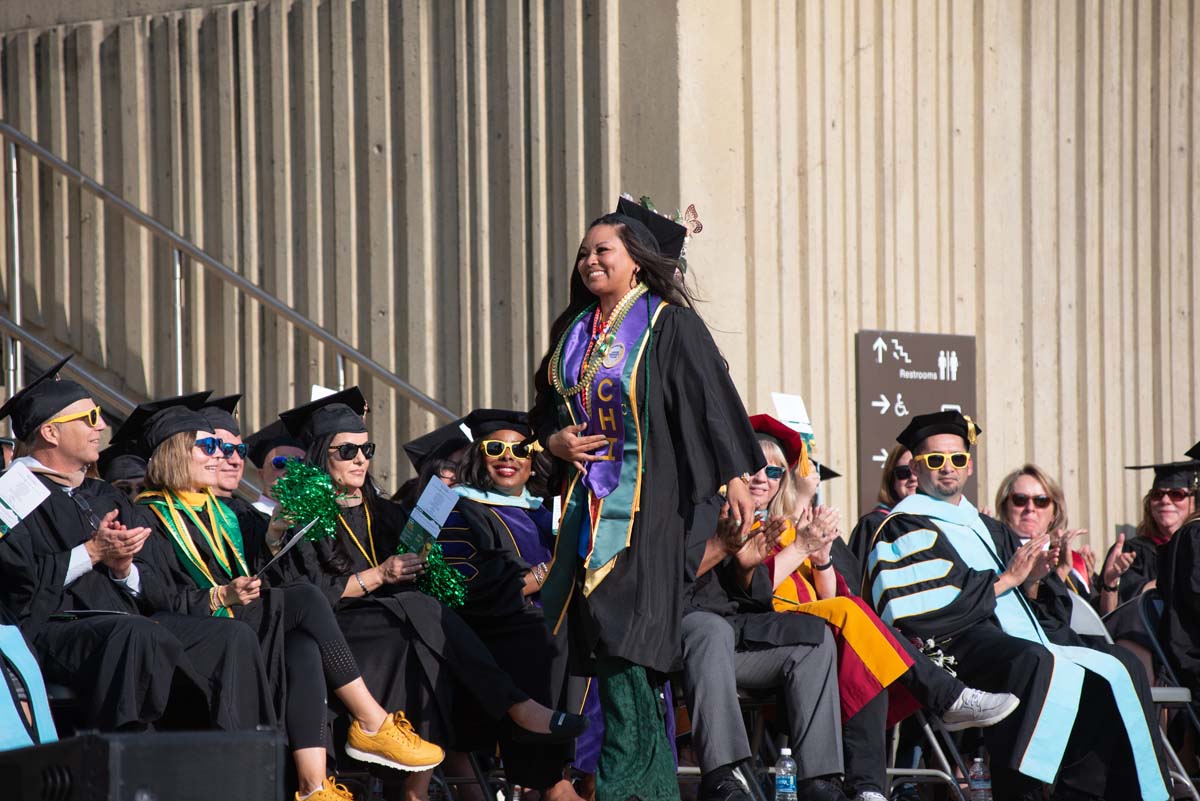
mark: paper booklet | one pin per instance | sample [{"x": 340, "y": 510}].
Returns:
[
  {"x": 428, "y": 516},
  {"x": 20, "y": 494}
]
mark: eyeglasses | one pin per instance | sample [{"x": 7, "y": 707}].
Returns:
[
  {"x": 228, "y": 449},
  {"x": 774, "y": 472},
  {"x": 1176, "y": 495},
  {"x": 495, "y": 448},
  {"x": 280, "y": 462},
  {"x": 902, "y": 472},
  {"x": 348, "y": 450},
  {"x": 92, "y": 416},
  {"x": 936, "y": 461},
  {"x": 1020, "y": 500},
  {"x": 210, "y": 445}
]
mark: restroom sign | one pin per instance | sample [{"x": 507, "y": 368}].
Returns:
[{"x": 901, "y": 374}]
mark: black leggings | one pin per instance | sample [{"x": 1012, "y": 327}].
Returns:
[{"x": 315, "y": 656}]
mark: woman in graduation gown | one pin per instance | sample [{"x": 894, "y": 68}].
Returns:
[
  {"x": 499, "y": 538},
  {"x": 636, "y": 403},
  {"x": 302, "y": 644},
  {"x": 1179, "y": 585},
  {"x": 413, "y": 650}
]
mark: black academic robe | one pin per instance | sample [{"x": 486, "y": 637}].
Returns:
[
  {"x": 697, "y": 437},
  {"x": 956, "y": 607},
  {"x": 1143, "y": 570},
  {"x": 749, "y": 610},
  {"x": 263, "y": 617},
  {"x": 126, "y": 669},
  {"x": 859, "y": 545},
  {"x": 415, "y": 653},
  {"x": 514, "y": 630},
  {"x": 1179, "y": 585}
]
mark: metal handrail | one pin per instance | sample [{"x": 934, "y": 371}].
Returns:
[
  {"x": 272, "y": 304},
  {"x": 110, "y": 397}
]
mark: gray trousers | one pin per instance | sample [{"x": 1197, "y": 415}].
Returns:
[{"x": 807, "y": 674}]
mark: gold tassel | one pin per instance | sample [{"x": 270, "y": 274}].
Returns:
[{"x": 971, "y": 429}]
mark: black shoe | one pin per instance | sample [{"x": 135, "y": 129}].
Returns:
[
  {"x": 564, "y": 727},
  {"x": 723, "y": 784},
  {"x": 818, "y": 790}
]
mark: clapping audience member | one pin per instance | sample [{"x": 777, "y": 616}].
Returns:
[
  {"x": 303, "y": 648},
  {"x": 1179, "y": 584},
  {"x": 871, "y": 655}
]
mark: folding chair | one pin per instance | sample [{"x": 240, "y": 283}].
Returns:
[
  {"x": 940, "y": 743},
  {"x": 1150, "y": 606}
]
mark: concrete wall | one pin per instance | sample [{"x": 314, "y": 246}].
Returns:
[{"x": 416, "y": 176}]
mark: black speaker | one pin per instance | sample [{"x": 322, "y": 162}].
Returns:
[{"x": 148, "y": 766}]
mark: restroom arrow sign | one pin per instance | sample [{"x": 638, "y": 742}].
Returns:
[{"x": 883, "y": 404}]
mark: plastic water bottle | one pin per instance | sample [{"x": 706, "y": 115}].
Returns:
[
  {"x": 785, "y": 776},
  {"x": 979, "y": 781}
]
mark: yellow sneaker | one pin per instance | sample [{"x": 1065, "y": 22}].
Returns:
[
  {"x": 330, "y": 791},
  {"x": 395, "y": 745}
]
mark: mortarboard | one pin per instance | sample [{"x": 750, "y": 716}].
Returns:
[
  {"x": 339, "y": 413},
  {"x": 41, "y": 399},
  {"x": 119, "y": 463},
  {"x": 924, "y": 426},
  {"x": 267, "y": 439},
  {"x": 1172, "y": 475},
  {"x": 666, "y": 234},
  {"x": 482, "y": 422},
  {"x": 131, "y": 429},
  {"x": 437, "y": 444},
  {"x": 220, "y": 413}
]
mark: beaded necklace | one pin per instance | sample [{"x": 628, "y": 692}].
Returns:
[{"x": 603, "y": 335}]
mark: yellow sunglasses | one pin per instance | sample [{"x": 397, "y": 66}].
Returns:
[
  {"x": 495, "y": 448},
  {"x": 92, "y": 416},
  {"x": 936, "y": 461}
]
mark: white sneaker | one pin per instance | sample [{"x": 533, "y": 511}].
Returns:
[
  {"x": 978, "y": 709},
  {"x": 870, "y": 795}
]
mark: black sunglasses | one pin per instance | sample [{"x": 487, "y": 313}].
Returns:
[
  {"x": 1020, "y": 500},
  {"x": 228, "y": 449},
  {"x": 347, "y": 450},
  {"x": 902, "y": 472}
]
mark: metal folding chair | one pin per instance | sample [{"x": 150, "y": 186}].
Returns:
[
  {"x": 1175, "y": 696},
  {"x": 940, "y": 744}
]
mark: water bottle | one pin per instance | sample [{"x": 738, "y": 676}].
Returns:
[
  {"x": 785, "y": 776},
  {"x": 979, "y": 781}
]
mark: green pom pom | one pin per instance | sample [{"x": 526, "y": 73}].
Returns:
[
  {"x": 440, "y": 580},
  {"x": 306, "y": 493}
]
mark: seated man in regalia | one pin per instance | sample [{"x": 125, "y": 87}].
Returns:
[{"x": 940, "y": 571}]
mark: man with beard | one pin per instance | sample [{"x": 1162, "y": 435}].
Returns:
[
  {"x": 74, "y": 575},
  {"x": 938, "y": 570}
]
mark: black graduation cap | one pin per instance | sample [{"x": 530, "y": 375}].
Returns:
[
  {"x": 119, "y": 463},
  {"x": 924, "y": 426},
  {"x": 437, "y": 444},
  {"x": 1172, "y": 475},
  {"x": 219, "y": 412},
  {"x": 265, "y": 440},
  {"x": 131, "y": 429},
  {"x": 482, "y": 422},
  {"x": 825, "y": 471},
  {"x": 1193, "y": 452},
  {"x": 41, "y": 399},
  {"x": 339, "y": 413},
  {"x": 668, "y": 235}
]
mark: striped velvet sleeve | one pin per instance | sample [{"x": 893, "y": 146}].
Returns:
[{"x": 917, "y": 582}]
